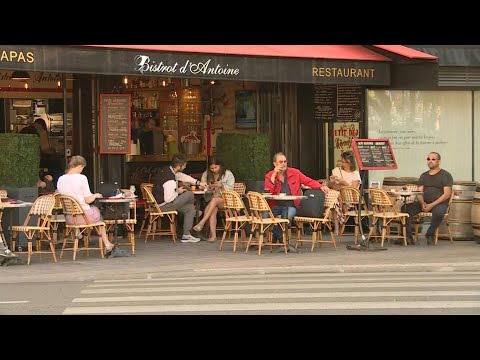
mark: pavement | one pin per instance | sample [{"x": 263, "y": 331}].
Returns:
[{"x": 161, "y": 257}]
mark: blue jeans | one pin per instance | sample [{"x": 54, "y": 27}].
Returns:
[{"x": 282, "y": 210}]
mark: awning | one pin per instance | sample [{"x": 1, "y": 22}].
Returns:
[
  {"x": 338, "y": 52},
  {"x": 406, "y": 52}
]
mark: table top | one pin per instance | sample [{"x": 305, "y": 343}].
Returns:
[
  {"x": 404, "y": 192},
  {"x": 283, "y": 197},
  {"x": 16, "y": 205},
  {"x": 117, "y": 200}
]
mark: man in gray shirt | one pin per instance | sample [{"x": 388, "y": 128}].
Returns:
[{"x": 436, "y": 185}]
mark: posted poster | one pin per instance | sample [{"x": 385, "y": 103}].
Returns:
[{"x": 343, "y": 133}]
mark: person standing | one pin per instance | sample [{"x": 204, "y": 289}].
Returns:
[
  {"x": 288, "y": 180},
  {"x": 171, "y": 197},
  {"x": 436, "y": 184}
]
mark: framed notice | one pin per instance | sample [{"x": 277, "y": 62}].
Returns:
[
  {"x": 374, "y": 154},
  {"x": 245, "y": 109},
  {"x": 115, "y": 123}
]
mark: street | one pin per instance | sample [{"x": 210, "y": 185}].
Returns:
[{"x": 381, "y": 293}]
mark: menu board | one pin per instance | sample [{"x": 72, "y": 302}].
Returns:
[
  {"x": 115, "y": 123},
  {"x": 340, "y": 103},
  {"x": 325, "y": 102},
  {"x": 374, "y": 154}
]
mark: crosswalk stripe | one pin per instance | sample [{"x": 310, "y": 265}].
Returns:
[
  {"x": 173, "y": 288},
  {"x": 422, "y": 275},
  {"x": 271, "y": 307},
  {"x": 195, "y": 297},
  {"x": 14, "y": 302},
  {"x": 202, "y": 281}
]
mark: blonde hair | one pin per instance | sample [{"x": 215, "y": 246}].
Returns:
[{"x": 75, "y": 161}]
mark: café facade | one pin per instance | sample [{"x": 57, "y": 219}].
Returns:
[{"x": 311, "y": 99}]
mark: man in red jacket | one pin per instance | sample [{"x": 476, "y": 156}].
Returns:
[{"x": 283, "y": 179}]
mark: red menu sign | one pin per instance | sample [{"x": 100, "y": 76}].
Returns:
[{"x": 374, "y": 154}]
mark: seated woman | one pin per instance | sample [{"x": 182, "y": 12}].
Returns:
[
  {"x": 344, "y": 175},
  {"x": 217, "y": 178},
  {"x": 74, "y": 184}
]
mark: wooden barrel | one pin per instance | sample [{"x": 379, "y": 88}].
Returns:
[
  {"x": 460, "y": 216},
  {"x": 476, "y": 214},
  {"x": 397, "y": 183}
]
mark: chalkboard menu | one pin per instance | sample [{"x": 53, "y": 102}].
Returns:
[
  {"x": 374, "y": 154},
  {"x": 342, "y": 103},
  {"x": 115, "y": 123}
]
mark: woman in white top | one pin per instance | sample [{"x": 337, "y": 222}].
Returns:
[
  {"x": 73, "y": 183},
  {"x": 347, "y": 174},
  {"x": 217, "y": 178},
  {"x": 344, "y": 175}
]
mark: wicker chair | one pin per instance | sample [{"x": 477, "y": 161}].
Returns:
[
  {"x": 259, "y": 207},
  {"x": 384, "y": 210},
  {"x": 146, "y": 207},
  {"x": 423, "y": 215},
  {"x": 316, "y": 223},
  {"x": 57, "y": 218},
  {"x": 236, "y": 218},
  {"x": 42, "y": 211},
  {"x": 351, "y": 197},
  {"x": 76, "y": 229},
  {"x": 129, "y": 221},
  {"x": 155, "y": 218}
]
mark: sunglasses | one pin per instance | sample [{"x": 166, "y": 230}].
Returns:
[{"x": 428, "y": 159}]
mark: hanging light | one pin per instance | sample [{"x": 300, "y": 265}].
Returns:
[
  {"x": 26, "y": 85},
  {"x": 125, "y": 80},
  {"x": 20, "y": 75}
]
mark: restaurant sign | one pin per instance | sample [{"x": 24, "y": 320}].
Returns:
[{"x": 86, "y": 60}]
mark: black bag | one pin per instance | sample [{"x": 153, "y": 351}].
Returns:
[
  {"x": 111, "y": 211},
  {"x": 313, "y": 205}
]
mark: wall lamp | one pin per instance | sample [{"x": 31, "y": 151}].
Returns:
[{"x": 20, "y": 75}]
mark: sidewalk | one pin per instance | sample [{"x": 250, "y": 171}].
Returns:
[{"x": 162, "y": 257}]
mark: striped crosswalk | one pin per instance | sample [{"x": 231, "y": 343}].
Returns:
[{"x": 285, "y": 293}]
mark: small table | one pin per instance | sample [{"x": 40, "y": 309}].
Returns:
[
  {"x": 404, "y": 194},
  {"x": 284, "y": 198},
  {"x": 198, "y": 194},
  {"x": 115, "y": 202},
  {"x": 8, "y": 205}
]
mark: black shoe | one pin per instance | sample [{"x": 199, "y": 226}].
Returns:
[
  {"x": 410, "y": 241},
  {"x": 430, "y": 240}
]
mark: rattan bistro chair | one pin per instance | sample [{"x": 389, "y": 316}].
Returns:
[
  {"x": 146, "y": 207},
  {"x": 156, "y": 215},
  {"x": 384, "y": 210},
  {"x": 235, "y": 219},
  {"x": 57, "y": 218},
  {"x": 423, "y": 215},
  {"x": 42, "y": 211},
  {"x": 260, "y": 208},
  {"x": 129, "y": 220},
  {"x": 80, "y": 226},
  {"x": 351, "y": 197},
  {"x": 316, "y": 223}
]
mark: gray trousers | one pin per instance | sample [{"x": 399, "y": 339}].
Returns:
[{"x": 184, "y": 203}]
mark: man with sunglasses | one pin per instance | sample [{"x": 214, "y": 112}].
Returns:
[
  {"x": 436, "y": 185},
  {"x": 288, "y": 180}
]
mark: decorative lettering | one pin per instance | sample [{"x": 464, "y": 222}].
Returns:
[
  {"x": 343, "y": 72},
  {"x": 144, "y": 64},
  {"x": 20, "y": 56}
]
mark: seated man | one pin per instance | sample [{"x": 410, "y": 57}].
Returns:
[
  {"x": 436, "y": 185},
  {"x": 170, "y": 197},
  {"x": 286, "y": 180}
]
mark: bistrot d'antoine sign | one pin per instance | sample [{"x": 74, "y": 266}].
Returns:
[{"x": 90, "y": 60}]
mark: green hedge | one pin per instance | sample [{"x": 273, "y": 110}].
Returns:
[
  {"x": 246, "y": 155},
  {"x": 19, "y": 160}
]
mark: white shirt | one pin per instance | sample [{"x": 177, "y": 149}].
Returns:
[
  {"x": 349, "y": 177},
  {"x": 76, "y": 186}
]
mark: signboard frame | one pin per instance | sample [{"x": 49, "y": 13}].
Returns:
[
  {"x": 104, "y": 129},
  {"x": 381, "y": 144}
]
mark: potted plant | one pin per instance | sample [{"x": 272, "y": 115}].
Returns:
[
  {"x": 19, "y": 167},
  {"x": 247, "y": 156}
]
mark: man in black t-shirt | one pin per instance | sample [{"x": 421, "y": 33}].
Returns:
[{"x": 436, "y": 185}]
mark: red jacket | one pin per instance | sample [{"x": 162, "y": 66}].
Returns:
[{"x": 295, "y": 178}]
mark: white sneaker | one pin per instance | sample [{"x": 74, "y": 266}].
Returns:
[{"x": 189, "y": 238}]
